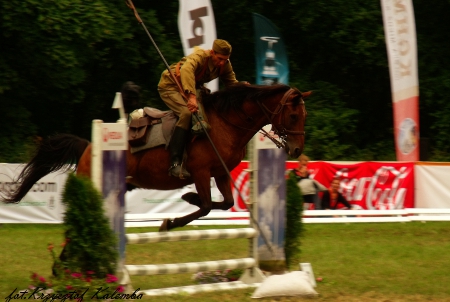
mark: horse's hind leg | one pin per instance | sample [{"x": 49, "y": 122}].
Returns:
[
  {"x": 204, "y": 205},
  {"x": 223, "y": 184}
]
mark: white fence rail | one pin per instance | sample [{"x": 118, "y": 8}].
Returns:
[{"x": 309, "y": 216}]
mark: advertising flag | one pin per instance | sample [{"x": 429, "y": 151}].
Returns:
[
  {"x": 400, "y": 32},
  {"x": 271, "y": 58},
  {"x": 197, "y": 28}
]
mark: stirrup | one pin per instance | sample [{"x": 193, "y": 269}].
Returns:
[{"x": 179, "y": 171}]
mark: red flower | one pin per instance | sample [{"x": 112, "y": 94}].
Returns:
[
  {"x": 42, "y": 279},
  {"x": 120, "y": 288},
  {"x": 77, "y": 275},
  {"x": 111, "y": 278},
  {"x": 34, "y": 276},
  {"x": 50, "y": 247},
  {"x": 69, "y": 287},
  {"x": 90, "y": 272}
]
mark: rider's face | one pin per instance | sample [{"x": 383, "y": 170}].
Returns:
[{"x": 218, "y": 59}]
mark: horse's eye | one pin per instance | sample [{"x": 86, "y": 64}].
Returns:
[{"x": 294, "y": 118}]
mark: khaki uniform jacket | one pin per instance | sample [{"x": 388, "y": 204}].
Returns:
[{"x": 192, "y": 66}]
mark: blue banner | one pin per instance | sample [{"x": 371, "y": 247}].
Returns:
[{"x": 272, "y": 65}]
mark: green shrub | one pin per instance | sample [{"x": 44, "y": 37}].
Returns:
[
  {"x": 294, "y": 211},
  {"x": 91, "y": 244}
]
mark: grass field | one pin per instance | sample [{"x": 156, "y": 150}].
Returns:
[{"x": 358, "y": 262}]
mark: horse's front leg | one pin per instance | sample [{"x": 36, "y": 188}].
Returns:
[
  {"x": 205, "y": 205},
  {"x": 223, "y": 184}
]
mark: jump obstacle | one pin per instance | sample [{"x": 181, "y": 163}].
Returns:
[{"x": 251, "y": 278}]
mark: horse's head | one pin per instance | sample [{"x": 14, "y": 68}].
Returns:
[
  {"x": 249, "y": 106},
  {"x": 288, "y": 121}
]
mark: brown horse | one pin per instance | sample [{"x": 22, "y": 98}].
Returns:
[{"x": 235, "y": 115}]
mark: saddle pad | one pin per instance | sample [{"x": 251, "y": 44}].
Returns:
[
  {"x": 159, "y": 134},
  {"x": 155, "y": 138}
]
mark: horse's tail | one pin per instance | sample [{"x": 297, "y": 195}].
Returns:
[{"x": 58, "y": 152}]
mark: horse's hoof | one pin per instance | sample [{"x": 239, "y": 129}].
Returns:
[
  {"x": 165, "y": 226},
  {"x": 192, "y": 198}
]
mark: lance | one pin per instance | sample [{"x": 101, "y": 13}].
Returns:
[{"x": 180, "y": 88}]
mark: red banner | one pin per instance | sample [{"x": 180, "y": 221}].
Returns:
[{"x": 366, "y": 185}]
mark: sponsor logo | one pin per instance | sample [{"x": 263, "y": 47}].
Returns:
[
  {"x": 382, "y": 191},
  {"x": 107, "y": 135},
  {"x": 407, "y": 136},
  {"x": 11, "y": 186},
  {"x": 197, "y": 26}
]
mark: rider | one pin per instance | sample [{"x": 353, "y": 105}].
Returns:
[{"x": 194, "y": 70}]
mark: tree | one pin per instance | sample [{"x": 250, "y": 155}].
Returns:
[{"x": 63, "y": 62}]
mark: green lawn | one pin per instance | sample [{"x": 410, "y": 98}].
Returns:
[{"x": 358, "y": 262}]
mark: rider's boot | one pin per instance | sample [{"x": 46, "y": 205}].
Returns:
[{"x": 176, "y": 149}]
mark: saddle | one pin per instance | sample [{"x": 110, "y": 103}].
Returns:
[{"x": 150, "y": 127}]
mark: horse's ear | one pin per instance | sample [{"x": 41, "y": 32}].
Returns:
[{"x": 306, "y": 94}]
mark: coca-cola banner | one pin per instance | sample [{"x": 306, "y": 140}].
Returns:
[{"x": 366, "y": 185}]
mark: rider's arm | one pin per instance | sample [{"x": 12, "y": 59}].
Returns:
[{"x": 188, "y": 71}]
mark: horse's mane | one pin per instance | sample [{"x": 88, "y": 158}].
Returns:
[{"x": 234, "y": 95}]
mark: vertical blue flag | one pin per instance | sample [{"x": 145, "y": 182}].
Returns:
[{"x": 271, "y": 58}]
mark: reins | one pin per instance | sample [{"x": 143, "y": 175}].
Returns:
[{"x": 273, "y": 114}]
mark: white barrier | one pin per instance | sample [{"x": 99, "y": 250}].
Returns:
[
  {"x": 251, "y": 278},
  {"x": 309, "y": 216},
  {"x": 140, "y": 238},
  {"x": 213, "y": 218}
]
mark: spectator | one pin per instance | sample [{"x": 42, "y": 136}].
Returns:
[
  {"x": 310, "y": 189},
  {"x": 303, "y": 161},
  {"x": 332, "y": 199}
]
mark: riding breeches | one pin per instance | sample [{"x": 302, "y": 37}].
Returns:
[{"x": 177, "y": 104}]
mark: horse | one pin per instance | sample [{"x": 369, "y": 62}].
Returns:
[{"x": 235, "y": 115}]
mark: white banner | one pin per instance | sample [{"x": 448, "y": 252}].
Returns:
[
  {"x": 431, "y": 185},
  {"x": 42, "y": 204},
  {"x": 197, "y": 27},
  {"x": 140, "y": 201}
]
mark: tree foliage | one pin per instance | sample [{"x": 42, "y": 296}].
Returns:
[{"x": 61, "y": 63}]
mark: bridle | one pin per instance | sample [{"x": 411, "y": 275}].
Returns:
[
  {"x": 279, "y": 130},
  {"x": 277, "y": 125}
]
